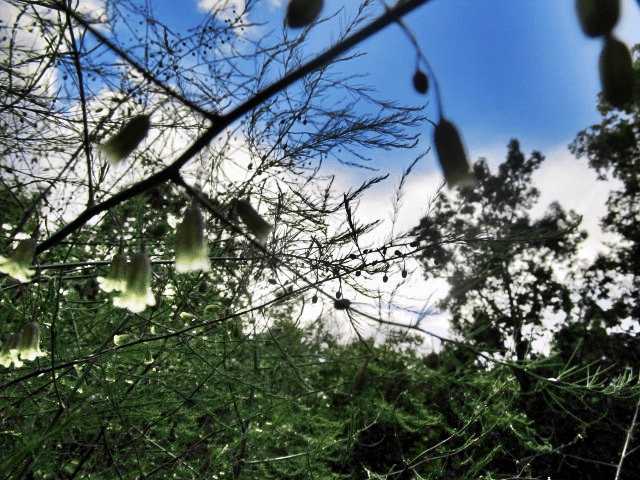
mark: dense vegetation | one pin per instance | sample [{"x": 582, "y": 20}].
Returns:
[{"x": 246, "y": 346}]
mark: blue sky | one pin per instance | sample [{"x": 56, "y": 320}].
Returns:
[{"x": 506, "y": 68}]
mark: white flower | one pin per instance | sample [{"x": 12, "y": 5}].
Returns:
[
  {"x": 116, "y": 279},
  {"x": 192, "y": 252},
  {"x": 29, "y": 346},
  {"x": 18, "y": 263},
  {"x": 137, "y": 294},
  {"x": 257, "y": 225},
  {"x": 10, "y": 351},
  {"x": 127, "y": 139}
]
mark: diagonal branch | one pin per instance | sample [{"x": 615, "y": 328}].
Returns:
[{"x": 220, "y": 123}]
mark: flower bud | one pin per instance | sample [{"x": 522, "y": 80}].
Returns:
[
  {"x": 121, "y": 339},
  {"x": 616, "y": 73},
  {"x": 192, "y": 253},
  {"x": 420, "y": 82},
  {"x": 116, "y": 279},
  {"x": 257, "y": 225},
  {"x": 29, "y": 346},
  {"x": 10, "y": 351},
  {"x": 452, "y": 156},
  {"x": 148, "y": 357},
  {"x": 127, "y": 139},
  {"x": 301, "y": 13},
  {"x": 18, "y": 263},
  {"x": 137, "y": 294}
]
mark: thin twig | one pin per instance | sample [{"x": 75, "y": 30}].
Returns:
[
  {"x": 627, "y": 440},
  {"x": 83, "y": 104}
]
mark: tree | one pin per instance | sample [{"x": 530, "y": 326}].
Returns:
[
  {"x": 503, "y": 269},
  {"x": 114, "y": 126},
  {"x": 612, "y": 149},
  {"x": 502, "y": 265},
  {"x": 126, "y": 139}
]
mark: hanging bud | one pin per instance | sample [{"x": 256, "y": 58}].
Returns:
[
  {"x": 148, "y": 357},
  {"x": 9, "y": 353},
  {"x": 119, "y": 340},
  {"x": 127, "y": 139},
  {"x": 18, "y": 263},
  {"x": 301, "y": 13},
  {"x": 116, "y": 278},
  {"x": 29, "y": 346},
  {"x": 598, "y": 17},
  {"x": 452, "y": 156},
  {"x": 616, "y": 73},
  {"x": 137, "y": 294},
  {"x": 192, "y": 253},
  {"x": 257, "y": 225},
  {"x": 421, "y": 82}
]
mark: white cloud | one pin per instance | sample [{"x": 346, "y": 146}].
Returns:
[
  {"x": 575, "y": 186},
  {"x": 223, "y": 9}
]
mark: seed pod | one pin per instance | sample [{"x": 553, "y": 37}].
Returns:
[
  {"x": 301, "y": 13},
  {"x": 452, "y": 156},
  {"x": 127, "y": 139},
  {"x": 421, "y": 82},
  {"x": 598, "y": 17},
  {"x": 616, "y": 73}
]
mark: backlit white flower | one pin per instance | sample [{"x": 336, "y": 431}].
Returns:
[
  {"x": 137, "y": 295},
  {"x": 116, "y": 278},
  {"x": 257, "y": 225},
  {"x": 10, "y": 351},
  {"x": 29, "y": 346},
  {"x": 127, "y": 139},
  {"x": 18, "y": 263},
  {"x": 192, "y": 252}
]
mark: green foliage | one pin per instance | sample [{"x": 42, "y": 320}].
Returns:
[{"x": 224, "y": 374}]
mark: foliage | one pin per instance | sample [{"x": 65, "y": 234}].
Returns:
[
  {"x": 509, "y": 275},
  {"x": 501, "y": 264},
  {"x": 115, "y": 125}
]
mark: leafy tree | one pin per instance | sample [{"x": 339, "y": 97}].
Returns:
[
  {"x": 117, "y": 131},
  {"x": 510, "y": 276},
  {"x": 612, "y": 149},
  {"x": 502, "y": 265}
]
